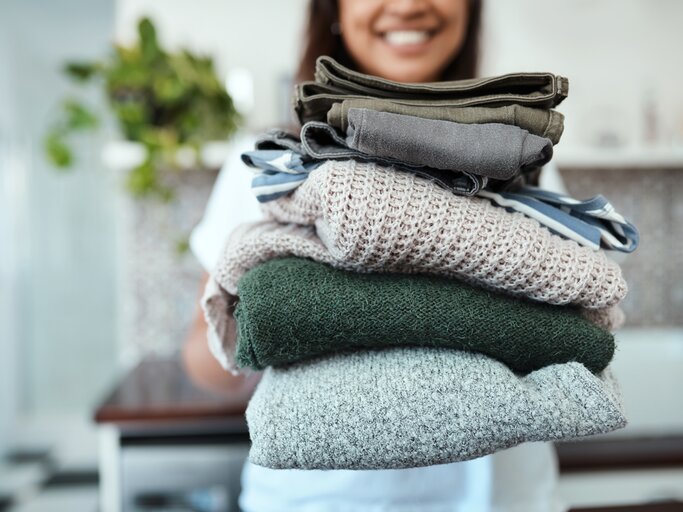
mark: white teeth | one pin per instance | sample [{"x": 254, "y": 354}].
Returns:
[{"x": 405, "y": 37}]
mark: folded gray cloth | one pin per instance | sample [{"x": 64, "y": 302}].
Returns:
[
  {"x": 494, "y": 150},
  {"x": 320, "y": 141},
  {"x": 410, "y": 407}
]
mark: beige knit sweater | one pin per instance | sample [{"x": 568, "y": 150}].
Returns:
[{"x": 370, "y": 218}]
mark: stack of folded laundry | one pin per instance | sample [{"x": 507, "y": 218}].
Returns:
[{"x": 412, "y": 297}]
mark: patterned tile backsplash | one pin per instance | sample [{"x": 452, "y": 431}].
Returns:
[
  {"x": 653, "y": 200},
  {"x": 160, "y": 286}
]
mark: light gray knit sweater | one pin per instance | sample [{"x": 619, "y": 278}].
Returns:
[{"x": 410, "y": 407}]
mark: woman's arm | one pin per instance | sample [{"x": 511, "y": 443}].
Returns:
[
  {"x": 203, "y": 368},
  {"x": 225, "y": 210}
]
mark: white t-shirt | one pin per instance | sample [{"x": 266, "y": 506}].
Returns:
[{"x": 521, "y": 479}]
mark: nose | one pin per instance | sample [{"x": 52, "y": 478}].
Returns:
[{"x": 406, "y": 8}]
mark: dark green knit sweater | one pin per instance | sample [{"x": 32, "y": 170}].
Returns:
[{"x": 293, "y": 309}]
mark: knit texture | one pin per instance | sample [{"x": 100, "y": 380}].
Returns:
[
  {"x": 377, "y": 219},
  {"x": 410, "y": 407},
  {"x": 295, "y": 309},
  {"x": 253, "y": 244}
]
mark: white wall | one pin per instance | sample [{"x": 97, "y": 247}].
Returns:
[
  {"x": 60, "y": 266},
  {"x": 614, "y": 52},
  {"x": 260, "y": 35},
  {"x": 8, "y": 266}
]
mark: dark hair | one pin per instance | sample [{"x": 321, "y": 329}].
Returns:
[{"x": 322, "y": 37}]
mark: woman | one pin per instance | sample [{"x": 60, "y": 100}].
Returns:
[{"x": 409, "y": 41}]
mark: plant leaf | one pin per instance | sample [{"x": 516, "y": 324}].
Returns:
[
  {"x": 148, "y": 40},
  {"x": 57, "y": 151},
  {"x": 80, "y": 71},
  {"x": 79, "y": 117}
]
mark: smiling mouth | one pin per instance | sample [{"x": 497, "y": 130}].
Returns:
[{"x": 407, "y": 37}]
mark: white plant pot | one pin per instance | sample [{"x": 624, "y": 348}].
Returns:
[{"x": 124, "y": 155}]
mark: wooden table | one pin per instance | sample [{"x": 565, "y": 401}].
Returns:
[
  {"x": 647, "y": 469},
  {"x": 157, "y": 405},
  {"x": 154, "y": 406}
]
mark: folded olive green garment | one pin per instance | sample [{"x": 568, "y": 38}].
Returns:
[
  {"x": 335, "y": 83},
  {"x": 417, "y": 406},
  {"x": 541, "y": 89},
  {"x": 541, "y": 122},
  {"x": 294, "y": 309}
]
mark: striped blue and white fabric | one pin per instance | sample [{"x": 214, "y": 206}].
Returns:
[
  {"x": 276, "y": 172},
  {"x": 592, "y": 222}
]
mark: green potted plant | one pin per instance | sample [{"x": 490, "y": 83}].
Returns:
[
  {"x": 171, "y": 104},
  {"x": 170, "y": 109}
]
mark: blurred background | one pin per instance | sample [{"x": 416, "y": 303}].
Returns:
[{"x": 96, "y": 276}]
